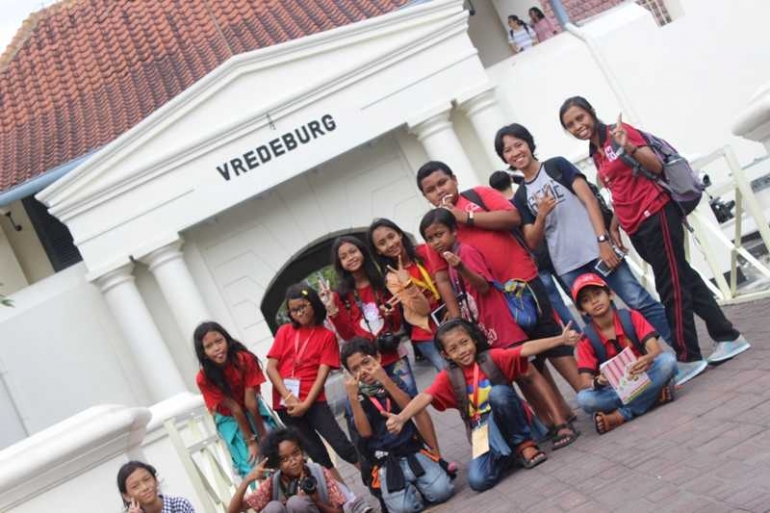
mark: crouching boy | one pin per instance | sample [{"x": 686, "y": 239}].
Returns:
[
  {"x": 406, "y": 473},
  {"x": 609, "y": 332},
  {"x": 478, "y": 383}
]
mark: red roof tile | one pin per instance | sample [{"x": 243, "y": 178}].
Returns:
[{"x": 81, "y": 72}]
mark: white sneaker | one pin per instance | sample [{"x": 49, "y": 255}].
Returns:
[
  {"x": 688, "y": 370},
  {"x": 726, "y": 350}
]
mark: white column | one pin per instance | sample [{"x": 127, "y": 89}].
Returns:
[
  {"x": 178, "y": 287},
  {"x": 138, "y": 328},
  {"x": 483, "y": 111},
  {"x": 435, "y": 131}
]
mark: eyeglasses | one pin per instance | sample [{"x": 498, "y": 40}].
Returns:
[
  {"x": 296, "y": 455},
  {"x": 299, "y": 309}
]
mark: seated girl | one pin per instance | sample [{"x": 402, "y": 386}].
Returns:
[
  {"x": 138, "y": 486},
  {"x": 229, "y": 380},
  {"x": 478, "y": 383},
  {"x": 288, "y": 482},
  {"x": 483, "y": 304},
  {"x": 298, "y": 363}
]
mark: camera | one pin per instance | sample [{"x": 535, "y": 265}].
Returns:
[
  {"x": 387, "y": 342},
  {"x": 308, "y": 485}
]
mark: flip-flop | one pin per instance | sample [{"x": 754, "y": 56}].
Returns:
[
  {"x": 609, "y": 420},
  {"x": 667, "y": 393},
  {"x": 534, "y": 461},
  {"x": 563, "y": 440}
]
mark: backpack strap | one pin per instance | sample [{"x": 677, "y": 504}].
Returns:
[
  {"x": 629, "y": 330},
  {"x": 596, "y": 342},
  {"x": 460, "y": 391},
  {"x": 474, "y": 197},
  {"x": 490, "y": 369}
]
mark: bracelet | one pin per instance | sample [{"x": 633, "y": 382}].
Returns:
[{"x": 469, "y": 219}]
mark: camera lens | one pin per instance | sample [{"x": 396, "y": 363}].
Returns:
[{"x": 309, "y": 485}]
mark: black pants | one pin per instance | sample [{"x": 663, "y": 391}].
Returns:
[
  {"x": 660, "y": 241},
  {"x": 546, "y": 325},
  {"x": 320, "y": 419}
]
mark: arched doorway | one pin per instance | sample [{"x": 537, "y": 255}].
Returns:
[{"x": 308, "y": 265}]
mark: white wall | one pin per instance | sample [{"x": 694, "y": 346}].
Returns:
[
  {"x": 11, "y": 275},
  {"x": 245, "y": 247},
  {"x": 686, "y": 81},
  {"x": 488, "y": 34},
  {"x": 61, "y": 353}
]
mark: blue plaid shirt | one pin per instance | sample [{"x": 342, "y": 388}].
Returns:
[{"x": 176, "y": 505}]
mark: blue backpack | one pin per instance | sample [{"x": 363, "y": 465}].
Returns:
[{"x": 628, "y": 330}]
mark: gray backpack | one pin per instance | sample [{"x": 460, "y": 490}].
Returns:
[{"x": 678, "y": 179}]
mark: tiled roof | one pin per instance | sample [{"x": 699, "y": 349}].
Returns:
[{"x": 81, "y": 72}]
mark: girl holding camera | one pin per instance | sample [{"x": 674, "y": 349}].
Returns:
[
  {"x": 298, "y": 363},
  {"x": 363, "y": 307},
  {"x": 288, "y": 481}
]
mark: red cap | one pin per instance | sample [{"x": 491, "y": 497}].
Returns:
[{"x": 586, "y": 280}]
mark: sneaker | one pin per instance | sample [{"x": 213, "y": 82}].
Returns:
[
  {"x": 726, "y": 350},
  {"x": 688, "y": 370}
]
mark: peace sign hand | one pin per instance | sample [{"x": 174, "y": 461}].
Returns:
[
  {"x": 327, "y": 296},
  {"x": 546, "y": 204},
  {"x": 619, "y": 134},
  {"x": 401, "y": 273},
  {"x": 134, "y": 507}
]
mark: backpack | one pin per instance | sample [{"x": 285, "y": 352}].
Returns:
[
  {"x": 678, "y": 178},
  {"x": 459, "y": 387},
  {"x": 555, "y": 174},
  {"x": 628, "y": 330}
]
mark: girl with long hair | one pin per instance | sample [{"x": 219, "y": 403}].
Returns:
[
  {"x": 408, "y": 278},
  {"x": 229, "y": 379},
  {"x": 138, "y": 487}
]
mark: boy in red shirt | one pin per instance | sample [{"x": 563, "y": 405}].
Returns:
[
  {"x": 495, "y": 418},
  {"x": 594, "y": 299}
]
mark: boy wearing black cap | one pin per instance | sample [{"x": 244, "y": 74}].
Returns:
[{"x": 610, "y": 332}]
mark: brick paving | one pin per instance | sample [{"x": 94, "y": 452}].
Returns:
[{"x": 709, "y": 451}]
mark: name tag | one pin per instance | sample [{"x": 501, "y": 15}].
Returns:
[
  {"x": 480, "y": 440},
  {"x": 292, "y": 385}
]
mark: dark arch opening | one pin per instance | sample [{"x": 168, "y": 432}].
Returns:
[{"x": 313, "y": 259}]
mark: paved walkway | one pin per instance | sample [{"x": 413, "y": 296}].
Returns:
[{"x": 707, "y": 451}]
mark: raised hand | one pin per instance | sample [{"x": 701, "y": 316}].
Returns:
[
  {"x": 377, "y": 372},
  {"x": 394, "y": 423},
  {"x": 451, "y": 259},
  {"x": 570, "y": 336},
  {"x": 134, "y": 507},
  {"x": 327, "y": 296},
  {"x": 619, "y": 134},
  {"x": 401, "y": 273},
  {"x": 259, "y": 473},
  {"x": 546, "y": 204},
  {"x": 351, "y": 385}
]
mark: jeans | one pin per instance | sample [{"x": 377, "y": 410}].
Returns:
[
  {"x": 605, "y": 400},
  {"x": 659, "y": 240},
  {"x": 434, "y": 486},
  {"x": 556, "y": 301},
  {"x": 403, "y": 370},
  {"x": 623, "y": 282},
  {"x": 429, "y": 351},
  {"x": 508, "y": 427}
]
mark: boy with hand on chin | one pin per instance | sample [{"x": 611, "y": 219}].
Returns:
[
  {"x": 613, "y": 331},
  {"x": 406, "y": 472}
]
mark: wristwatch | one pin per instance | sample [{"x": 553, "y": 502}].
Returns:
[{"x": 603, "y": 238}]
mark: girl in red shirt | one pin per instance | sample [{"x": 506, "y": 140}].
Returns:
[
  {"x": 363, "y": 307},
  {"x": 408, "y": 279},
  {"x": 229, "y": 380},
  {"x": 298, "y": 363},
  {"x": 654, "y": 223}
]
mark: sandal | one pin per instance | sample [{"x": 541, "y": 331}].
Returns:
[
  {"x": 609, "y": 421},
  {"x": 667, "y": 393},
  {"x": 563, "y": 440},
  {"x": 534, "y": 461}
]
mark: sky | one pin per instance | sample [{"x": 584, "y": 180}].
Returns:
[{"x": 14, "y": 12}]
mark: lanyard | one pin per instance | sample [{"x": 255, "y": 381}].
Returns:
[
  {"x": 377, "y": 404},
  {"x": 299, "y": 353},
  {"x": 475, "y": 400},
  {"x": 426, "y": 282}
]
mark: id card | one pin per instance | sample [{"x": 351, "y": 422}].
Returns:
[
  {"x": 480, "y": 440},
  {"x": 292, "y": 385}
]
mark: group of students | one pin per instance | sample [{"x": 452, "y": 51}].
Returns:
[
  {"x": 477, "y": 304},
  {"x": 523, "y": 35}
]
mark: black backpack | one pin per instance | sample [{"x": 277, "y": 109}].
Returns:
[
  {"x": 459, "y": 387},
  {"x": 628, "y": 330},
  {"x": 553, "y": 171}
]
